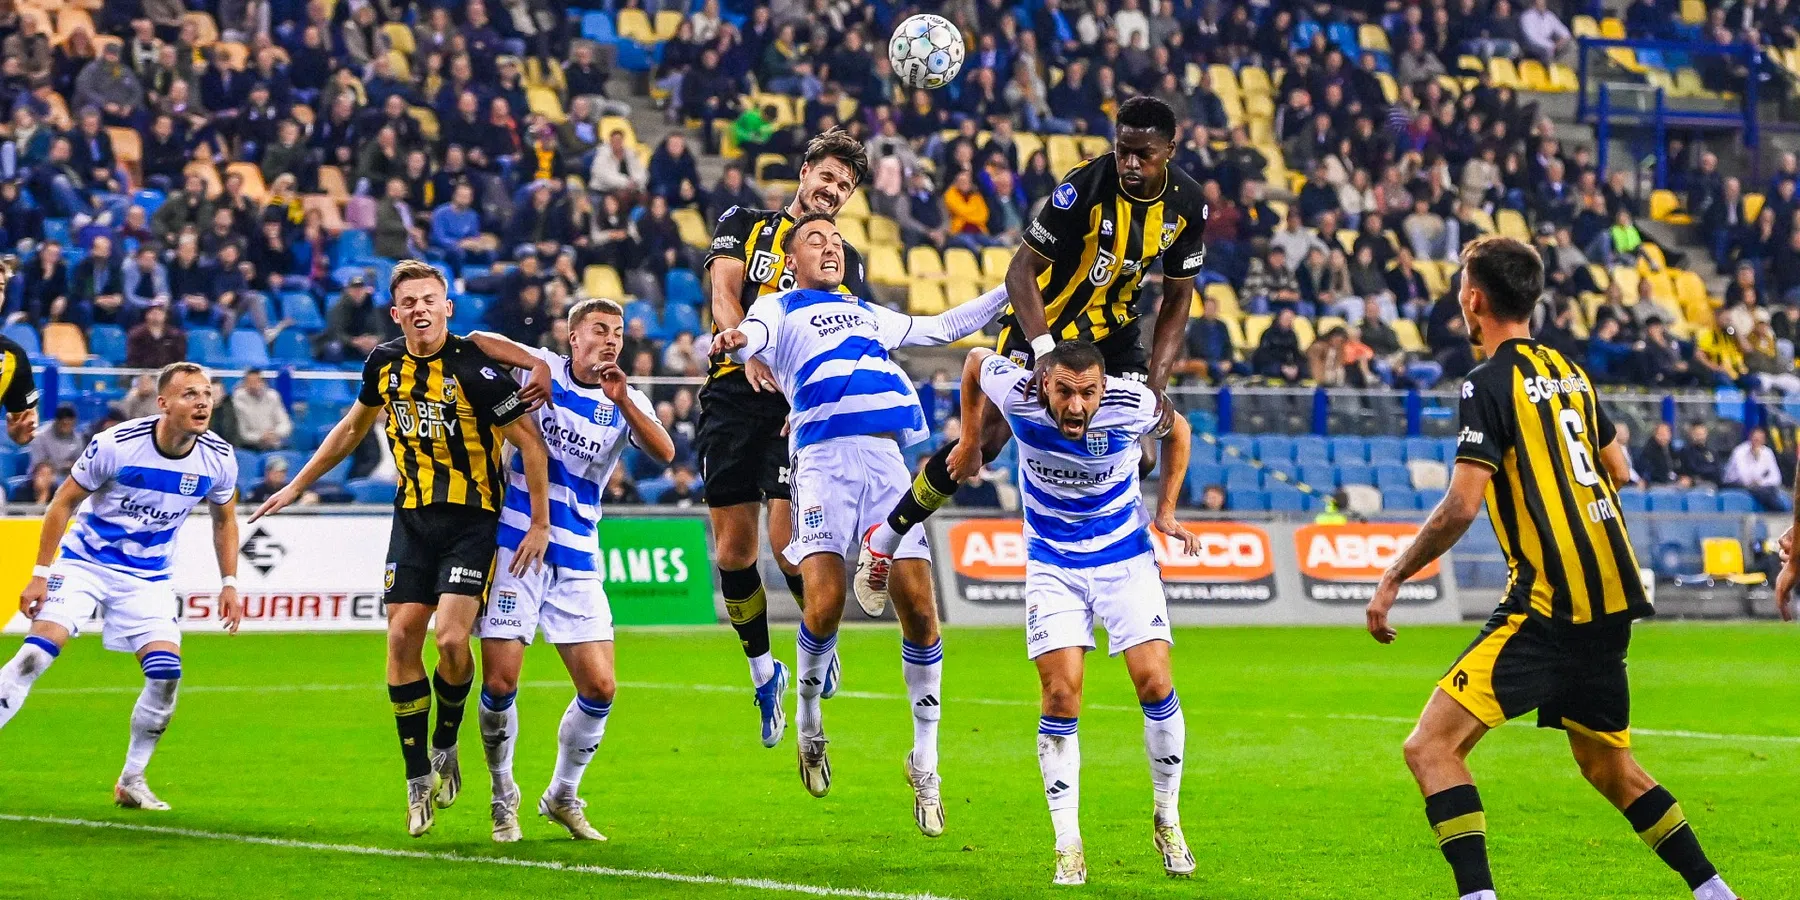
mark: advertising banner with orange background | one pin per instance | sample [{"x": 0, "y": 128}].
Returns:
[
  {"x": 1342, "y": 563},
  {"x": 1235, "y": 566}
]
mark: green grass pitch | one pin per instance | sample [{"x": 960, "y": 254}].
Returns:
[{"x": 1294, "y": 785}]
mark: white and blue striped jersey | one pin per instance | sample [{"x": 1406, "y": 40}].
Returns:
[
  {"x": 585, "y": 433},
  {"x": 138, "y": 497},
  {"x": 1083, "y": 506},
  {"x": 829, "y": 351}
]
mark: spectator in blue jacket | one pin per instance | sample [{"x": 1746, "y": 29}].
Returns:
[{"x": 456, "y": 231}]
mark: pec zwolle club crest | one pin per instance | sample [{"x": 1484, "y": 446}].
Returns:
[
  {"x": 507, "y": 601},
  {"x": 190, "y": 484},
  {"x": 1097, "y": 443},
  {"x": 813, "y": 517}
]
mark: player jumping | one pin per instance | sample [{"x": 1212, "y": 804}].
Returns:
[
  {"x": 1089, "y": 556},
  {"x": 591, "y": 414},
  {"x": 1532, "y": 430},
  {"x": 854, "y": 410},
  {"x": 743, "y": 454},
  {"x": 448, "y": 408},
  {"x": 1077, "y": 278},
  {"x": 128, "y": 493}
]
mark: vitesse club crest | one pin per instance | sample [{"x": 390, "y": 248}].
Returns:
[
  {"x": 387, "y": 580},
  {"x": 190, "y": 484},
  {"x": 449, "y": 388},
  {"x": 1168, "y": 234},
  {"x": 1097, "y": 443}
]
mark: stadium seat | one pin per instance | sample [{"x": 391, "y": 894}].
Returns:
[
  {"x": 924, "y": 262},
  {"x": 1732, "y": 500},
  {"x": 634, "y": 25},
  {"x": 1634, "y": 500},
  {"x": 680, "y": 317},
  {"x": 598, "y": 26},
  {"x": 1247, "y": 500},
  {"x": 204, "y": 345},
  {"x": 883, "y": 231},
  {"x": 1429, "y": 498},
  {"x": 885, "y": 267},
  {"x": 1402, "y": 499},
  {"x": 354, "y": 245},
  {"x": 1386, "y": 451},
  {"x": 961, "y": 264},
  {"x": 1393, "y": 477},
  {"x": 1236, "y": 448},
  {"x": 108, "y": 343},
  {"x": 291, "y": 348},
  {"x": 249, "y": 463},
  {"x": 1428, "y": 473},
  {"x": 1424, "y": 448},
  {"x": 64, "y": 343},
  {"x": 369, "y": 490},
  {"x": 301, "y": 312},
  {"x": 925, "y": 298},
  {"x": 1662, "y": 500},
  {"x": 246, "y": 349},
  {"x": 1311, "y": 448},
  {"x": 1323, "y": 476},
  {"x": 1286, "y": 501},
  {"x": 1347, "y": 450},
  {"x": 1355, "y": 473},
  {"x": 1242, "y": 478},
  {"x": 1275, "y": 449},
  {"x": 682, "y": 287}
]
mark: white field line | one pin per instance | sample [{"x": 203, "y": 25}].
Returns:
[
  {"x": 868, "y": 695},
  {"x": 760, "y": 884}
]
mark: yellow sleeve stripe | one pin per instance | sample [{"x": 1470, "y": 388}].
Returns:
[{"x": 1480, "y": 462}]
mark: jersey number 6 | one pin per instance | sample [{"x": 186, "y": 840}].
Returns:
[{"x": 1573, "y": 428}]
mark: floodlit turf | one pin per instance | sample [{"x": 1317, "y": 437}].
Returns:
[{"x": 1294, "y": 788}]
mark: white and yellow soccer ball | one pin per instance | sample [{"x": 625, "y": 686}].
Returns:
[{"x": 926, "y": 52}]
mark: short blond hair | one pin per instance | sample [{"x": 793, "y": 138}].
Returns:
[
  {"x": 412, "y": 269},
  {"x": 594, "y": 305}
]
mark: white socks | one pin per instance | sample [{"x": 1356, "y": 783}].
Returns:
[
  {"x": 1165, "y": 740},
  {"x": 923, "y": 668},
  {"x": 18, "y": 674},
  {"x": 583, "y": 724},
  {"x": 885, "y": 539},
  {"x": 155, "y": 706},
  {"x": 499, "y": 719},
  {"x": 762, "y": 668},
  {"x": 814, "y": 661},
  {"x": 1714, "y": 889},
  {"x": 1059, "y": 759},
  {"x": 1490, "y": 895}
]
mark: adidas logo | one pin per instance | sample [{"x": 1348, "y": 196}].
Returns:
[
  {"x": 496, "y": 740},
  {"x": 1056, "y": 788},
  {"x": 1158, "y": 622},
  {"x": 927, "y": 700},
  {"x": 810, "y": 682},
  {"x": 5, "y": 704},
  {"x": 591, "y": 749},
  {"x": 1167, "y": 761}
]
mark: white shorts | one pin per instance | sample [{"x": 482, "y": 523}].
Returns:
[
  {"x": 135, "y": 611},
  {"x": 842, "y": 488},
  {"x": 1126, "y": 597},
  {"x": 567, "y": 610}
]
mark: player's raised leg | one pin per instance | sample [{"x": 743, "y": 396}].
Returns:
[
  {"x": 1436, "y": 752},
  {"x": 501, "y": 662},
  {"x": 1649, "y": 807},
  {"x": 41, "y": 648},
  {"x": 1165, "y": 742},
  {"x": 922, "y": 664},
  {"x": 817, "y": 662},
  {"x": 161, "y": 662},
  {"x": 590, "y": 666},
  {"x": 1059, "y": 757}
]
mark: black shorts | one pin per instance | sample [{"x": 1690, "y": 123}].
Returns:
[
  {"x": 743, "y": 454},
  {"x": 1124, "y": 356},
  {"x": 444, "y": 548},
  {"x": 1573, "y": 675}
]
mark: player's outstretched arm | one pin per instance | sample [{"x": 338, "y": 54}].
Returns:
[
  {"x": 965, "y": 457},
  {"x": 1170, "y": 330},
  {"x": 1177, "y": 444},
  {"x": 337, "y": 446},
  {"x": 509, "y": 353},
  {"x": 1442, "y": 529},
  {"x": 535, "y": 457},
  {"x": 56, "y": 521},
  {"x": 1028, "y": 299},
  {"x": 225, "y": 547},
  {"x": 947, "y": 327},
  {"x": 646, "y": 432}
]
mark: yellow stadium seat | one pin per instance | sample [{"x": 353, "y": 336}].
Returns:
[
  {"x": 854, "y": 232},
  {"x": 253, "y": 180},
  {"x": 1753, "y": 206},
  {"x": 63, "y": 342},
  {"x": 691, "y": 227},
  {"x": 1584, "y": 26},
  {"x": 1432, "y": 276},
  {"x": 1254, "y": 326},
  {"x": 1028, "y": 145},
  {"x": 1224, "y": 80},
  {"x": 1662, "y": 287},
  {"x": 1371, "y": 37},
  {"x": 1469, "y": 63},
  {"x": 883, "y": 232},
  {"x": 994, "y": 263},
  {"x": 885, "y": 267},
  {"x": 1346, "y": 239},
  {"x": 399, "y": 37},
  {"x": 1234, "y": 109},
  {"x": 1389, "y": 88},
  {"x": 544, "y": 102},
  {"x": 961, "y": 264},
  {"x": 1406, "y": 331},
  {"x": 610, "y": 124},
  {"x": 765, "y": 160},
  {"x": 634, "y": 23},
  {"x": 668, "y": 21},
  {"x": 1254, "y": 82},
  {"x": 1627, "y": 280},
  {"x": 961, "y": 290},
  {"x": 925, "y": 298},
  {"x": 1693, "y": 12},
  {"x": 1065, "y": 154},
  {"x": 1303, "y": 332},
  {"x": 1235, "y": 326},
  {"x": 1482, "y": 220},
  {"x": 1534, "y": 77},
  {"x": 1602, "y": 278},
  {"x": 1450, "y": 85},
  {"x": 1690, "y": 288},
  {"x": 1259, "y": 107},
  {"x": 602, "y": 281},
  {"x": 1501, "y": 70},
  {"x": 1511, "y": 224},
  {"x": 1652, "y": 259},
  {"x": 206, "y": 30},
  {"x": 1093, "y": 146},
  {"x": 1612, "y": 28},
  {"x": 428, "y": 122},
  {"x": 857, "y": 206},
  {"x": 924, "y": 262},
  {"x": 1563, "y": 79}
]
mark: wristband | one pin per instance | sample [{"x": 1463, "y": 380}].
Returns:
[
  {"x": 1041, "y": 345},
  {"x": 229, "y": 581},
  {"x": 40, "y": 571}
]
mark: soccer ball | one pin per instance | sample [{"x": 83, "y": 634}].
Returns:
[{"x": 927, "y": 51}]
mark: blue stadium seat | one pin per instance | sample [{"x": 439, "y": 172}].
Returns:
[
  {"x": 1390, "y": 477},
  {"x": 1633, "y": 500},
  {"x": 1355, "y": 473},
  {"x": 1401, "y": 499},
  {"x": 633, "y": 58},
  {"x": 1418, "y": 448},
  {"x": 598, "y": 26},
  {"x": 1242, "y": 478},
  {"x": 1320, "y": 475},
  {"x": 1202, "y": 474},
  {"x": 204, "y": 345},
  {"x": 249, "y": 464},
  {"x": 108, "y": 343},
  {"x": 680, "y": 317},
  {"x": 652, "y": 488},
  {"x": 1204, "y": 451},
  {"x": 1311, "y": 449},
  {"x": 1349, "y": 450},
  {"x": 293, "y": 458},
  {"x": 1666, "y": 501},
  {"x": 150, "y": 200},
  {"x": 642, "y": 309},
  {"x": 1386, "y": 451},
  {"x": 1717, "y": 526},
  {"x": 474, "y": 306},
  {"x": 292, "y": 347},
  {"x": 1247, "y": 500},
  {"x": 301, "y": 311},
  {"x": 57, "y": 230},
  {"x": 1287, "y": 501},
  {"x": 682, "y": 286},
  {"x": 1275, "y": 448},
  {"x": 368, "y": 490},
  {"x": 1429, "y": 498},
  {"x": 1700, "y": 500},
  {"x": 25, "y": 336},
  {"x": 338, "y": 474},
  {"x": 247, "y": 349},
  {"x": 1732, "y": 500},
  {"x": 1242, "y": 443},
  {"x": 353, "y": 245}
]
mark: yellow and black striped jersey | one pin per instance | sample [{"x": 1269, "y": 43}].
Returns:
[
  {"x": 1531, "y": 416},
  {"x": 18, "y": 390},
  {"x": 1100, "y": 241},
  {"x": 753, "y": 237},
  {"x": 445, "y": 412}
]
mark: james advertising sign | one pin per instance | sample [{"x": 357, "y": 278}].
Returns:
[{"x": 1340, "y": 564}]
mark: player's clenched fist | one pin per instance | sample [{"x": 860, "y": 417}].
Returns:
[{"x": 32, "y": 598}]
